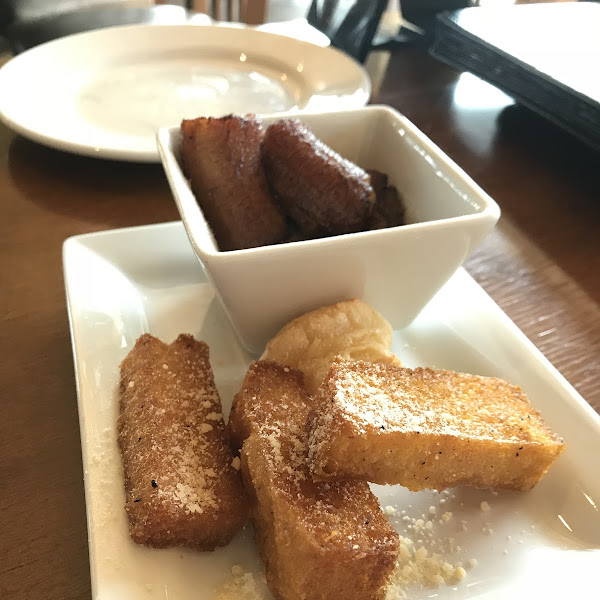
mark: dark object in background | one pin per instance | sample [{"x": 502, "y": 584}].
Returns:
[
  {"x": 540, "y": 54},
  {"x": 424, "y": 12},
  {"x": 24, "y": 31},
  {"x": 421, "y": 13},
  {"x": 349, "y": 24}
]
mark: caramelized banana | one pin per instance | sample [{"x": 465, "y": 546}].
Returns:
[
  {"x": 221, "y": 157},
  {"x": 323, "y": 193}
]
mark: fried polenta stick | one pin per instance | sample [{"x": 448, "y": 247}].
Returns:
[
  {"x": 426, "y": 428},
  {"x": 318, "y": 541},
  {"x": 181, "y": 486}
]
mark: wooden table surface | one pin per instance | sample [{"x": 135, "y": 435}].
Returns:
[{"x": 541, "y": 265}]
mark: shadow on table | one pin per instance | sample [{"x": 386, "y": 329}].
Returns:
[
  {"x": 553, "y": 197},
  {"x": 100, "y": 192},
  {"x": 553, "y": 146}
]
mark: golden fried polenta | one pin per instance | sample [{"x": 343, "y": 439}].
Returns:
[{"x": 181, "y": 488}]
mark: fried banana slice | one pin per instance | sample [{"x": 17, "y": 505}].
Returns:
[
  {"x": 222, "y": 159},
  {"x": 323, "y": 193},
  {"x": 389, "y": 207}
]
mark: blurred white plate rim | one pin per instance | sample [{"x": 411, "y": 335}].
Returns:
[{"x": 104, "y": 93}]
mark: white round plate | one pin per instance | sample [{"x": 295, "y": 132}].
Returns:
[{"x": 105, "y": 93}]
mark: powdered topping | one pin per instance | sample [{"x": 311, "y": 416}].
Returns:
[
  {"x": 214, "y": 416},
  {"x": 371, "y": 396},
  {"x": 242, "y": 585},
  {"x": 280, "y": 423},
  {"x": 342, "y": 514},
  {"x": 429, "y": 555},
  {"x": 171, "y": 430},
  {"x": 425, "y": 428},
  {"x": 184, "y": 451}
]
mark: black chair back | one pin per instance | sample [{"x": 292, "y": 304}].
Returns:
[{"x": 349, "y": 24}]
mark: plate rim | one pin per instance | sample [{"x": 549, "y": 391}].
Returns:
[{"x": 10, "y": 74}]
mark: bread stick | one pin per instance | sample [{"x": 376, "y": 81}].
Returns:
[{"x": 351, "y": 328}]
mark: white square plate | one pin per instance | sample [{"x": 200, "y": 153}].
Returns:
[{"x": 540, "y": 544}]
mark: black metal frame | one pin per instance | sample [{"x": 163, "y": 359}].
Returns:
[{"x": 350, "y": 25}]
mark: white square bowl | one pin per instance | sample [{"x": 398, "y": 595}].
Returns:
[{"x": 396, "y": 270}]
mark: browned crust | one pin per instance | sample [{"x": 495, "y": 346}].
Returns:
[
  {"x": 271, "y": 393},
  {"x": 222, "y": 158},
  {"x": 181, "y": 488},
  {"x": 323, "y": 193},
  {"x": 318, "y": 540},
  {"x": 426, "y": 428}
]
